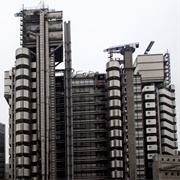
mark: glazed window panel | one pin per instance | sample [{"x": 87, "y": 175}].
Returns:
[
  {"x": 138, "y": 115},
  {"x": 137, "y": 106},
  {"x": 137, "y": 97},
  {"x": 137, "y": 88}
]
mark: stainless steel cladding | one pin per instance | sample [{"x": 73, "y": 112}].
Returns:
[
  {"x": 23, "y": 172},
  {"x": 22, "y": 149},
  {"x": 114, "y": 118},
  {"x": 114, "y": 92},
  {"x": 22, "y": 109}
]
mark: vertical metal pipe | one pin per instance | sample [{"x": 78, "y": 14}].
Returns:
[
  {"x": 47, "y": 95},
  {"x": 68, "y": 105},
  {"x": 52, "y": 118},
  {"x": 42, "y": 96},
  {"x": 38, "y": 85},
  {"x": 14, "y": 129},
  {"x": 159, "y": 122}
]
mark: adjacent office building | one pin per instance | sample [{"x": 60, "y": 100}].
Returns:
[
  {"x": 166, "y": 167},
  {"x": 66, "y": 125},
  {"x": 2, "y": 151},
  {"x": 158, "y": 97}
]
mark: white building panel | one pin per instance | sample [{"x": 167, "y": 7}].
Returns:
[
  {"x": 112, "y": 64},
  {"x": 151, "y": 67},
  {"x": 150, "y": 156},
  {"x": 33, "y": 64},
  {"x": 150, "y": 105},
  {"x": 167, "y": 93},
  {"x": 33, "y": 84},
  {"x": 152, "y": 147},
  {"x": 33, "y": 75},
  {"x": 150, "y": 113},
  {"x": 151, "y": 130},
  {"x": 149, "y": 88},
  {"x": 168, "y": 142},
  {"x": 166, "y": 149},
  {"x": 168, "y": 117},
  {"x": 167, "y": 101},
  {"x": 165, "y": 124},
  {"x": 113, "y": 73},
  {"x": 151, "y": 138},
  {"x": 150, "y": 121},
  {"x": 149, "y": 96},
  {"x": 167, "y": 133},
  {"x": 167, "y": 109}
]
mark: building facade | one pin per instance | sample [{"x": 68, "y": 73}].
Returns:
[
  {"x": 149, "y": 111},
  {"x": 67, "y": 125},
  {"x": 158, "y": 97},
  {"x": 2, "y": 151},
  {"x": 29, "y": 91},
  {"x": 166, "y": 167}
]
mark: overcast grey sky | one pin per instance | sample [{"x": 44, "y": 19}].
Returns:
[{"x": 96, "y": 25}]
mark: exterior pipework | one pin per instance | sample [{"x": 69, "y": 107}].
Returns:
[
  {"x": 47, "y": 106},
  {"x": 52, "y": 124},
  {"x": 41, "y": 33},
  {"x": 22, "y": 113},
  {"x": 68, "y": 105},
  {"x": 42, "y": 98},
  {"x": 114, "y": 119},
  {"x": 167, "y": 69},
  {"x": 159, "y": 121}
]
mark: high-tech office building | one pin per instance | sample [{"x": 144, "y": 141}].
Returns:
[
  {"x": 158, "y": 97},
  {"x": 66, "y": 125},
  {"x": 2, "y": 151},
  {"x": 90, "y": 146},
  {"x": 120, "y": 118},
  {"x": 30, "y": 93}
]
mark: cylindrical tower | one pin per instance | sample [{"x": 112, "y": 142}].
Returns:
[
  {"x": 22, "y": 114},
  {"x": 114, "y": 119}
]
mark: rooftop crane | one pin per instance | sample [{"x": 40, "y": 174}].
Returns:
[
  {"x": 121, "y": 49},
  {"x": 149, "y": 47}
]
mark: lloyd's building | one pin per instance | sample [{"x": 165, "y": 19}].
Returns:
[{"x": 66, "y": 125}]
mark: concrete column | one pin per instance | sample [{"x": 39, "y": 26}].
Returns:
[{"x": 130, "y": 113}]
